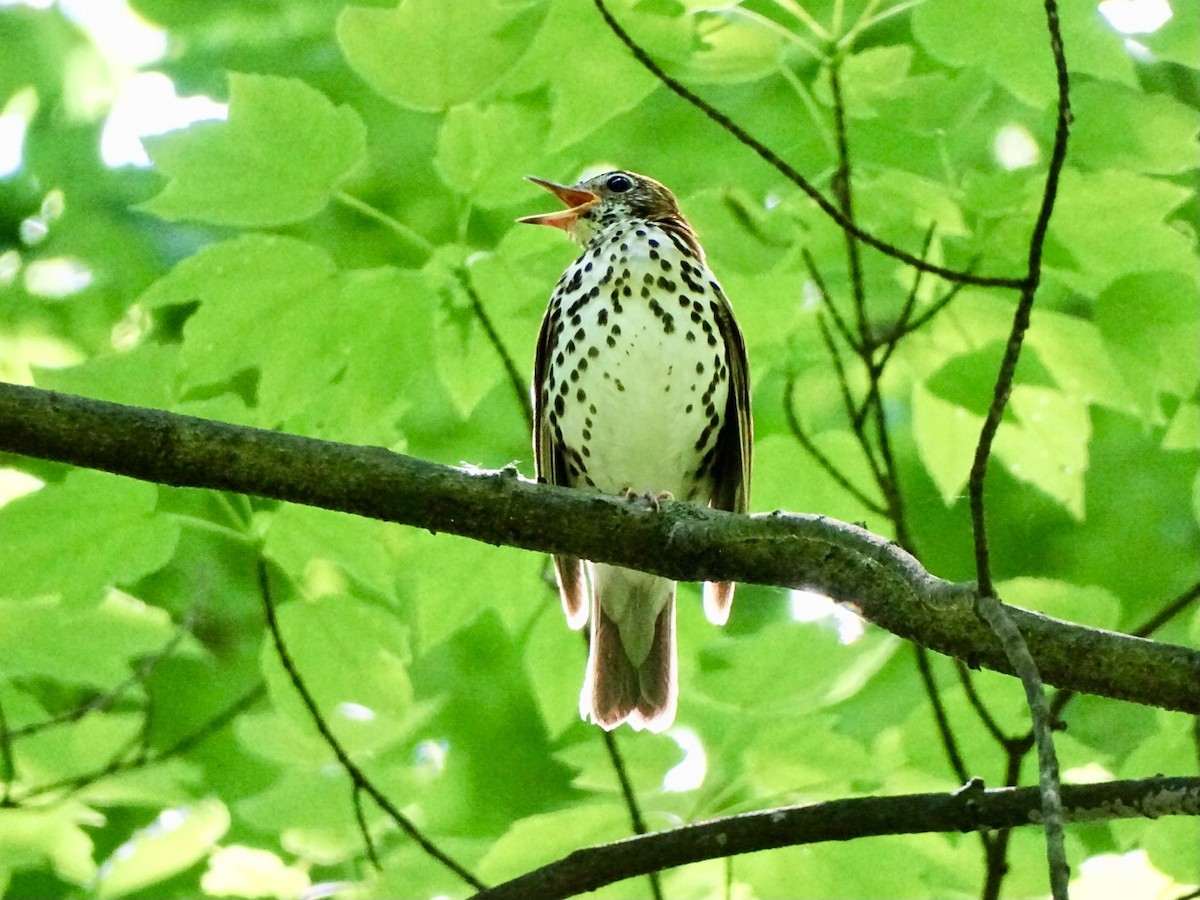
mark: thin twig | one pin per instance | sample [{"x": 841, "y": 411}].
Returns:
[
  {"x": 105, "y": 701},
  {"x": 516, "y": 380},
  {"x": 361, "y": 818},
  {"x": 844, "y": 192},
  {"x": 789, "y": 411},
  {"x": 357, "y": 776},
  {"x": 769, "y": 156},
  {"x": 949, "y": 742},
  {"x": 120, "y": 764},
  {"x": 635, "y": 811}
]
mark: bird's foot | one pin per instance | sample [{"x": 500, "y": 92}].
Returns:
[{"x": 651, "y": 498}]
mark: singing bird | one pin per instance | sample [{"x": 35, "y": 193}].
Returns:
[{"x": 640, "y": 387}]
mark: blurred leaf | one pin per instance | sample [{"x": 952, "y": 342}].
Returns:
[
  {"x": 1119, "y": 127},
  {"x": 1112, "y": 224},
  {"x": 870, "y": 79},
  {"x": 55, "y": 835},
  {"x": 1149, "y": 321},
  {"x": 354, "y": 660},
  {"x": 275, "y": 161},
  {"x": 247, "y": 286},
  {"x": 176, "y": 840},
  {"x": 538, "y": 840},
  {"x": 73, "y": 539},
  {"x": 574, "y": 112},
  {"x": 489, "y": 722},
  {"x": 238, "y": 871},
  {"x": 93, "y": 645},
  {"x": 482, "y": 150},
  {"x": 431, "y": 55}
]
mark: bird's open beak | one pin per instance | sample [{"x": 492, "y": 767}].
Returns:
[{"x": 578, "y": 202}]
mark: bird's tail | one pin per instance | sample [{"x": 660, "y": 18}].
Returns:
[{"x": 632, "y": 662}]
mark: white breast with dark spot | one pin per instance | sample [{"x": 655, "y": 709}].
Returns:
[{"x": 637, "y": 378}]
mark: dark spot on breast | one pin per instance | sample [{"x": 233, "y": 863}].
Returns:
[
  {"x": 602, "y": 317},
  {"x": 581, "y": 395},
  {"x": 699, "y": 368},
  {"x": 666, "y": 284},
  {"x": 691, "y": 338},
  {"x": 592, "y": 353},
  {"x": 668, "y": 323},
  {"x": 684, "y": 300},
  {"x": 559, "y": 405},
  {"x": 612, "y": 341},
  {"x": 666, "y": 265}
]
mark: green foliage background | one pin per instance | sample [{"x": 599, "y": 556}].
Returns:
[{"x": 308, "y": 265}]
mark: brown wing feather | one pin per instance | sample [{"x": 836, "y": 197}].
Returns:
[
  {"x": 551, "y": 468},
  {"x": 731, "y": 469}
]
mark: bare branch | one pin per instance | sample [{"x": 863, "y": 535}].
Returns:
[
  {"x": 970, "y": 809},
  {"x": 680, "y": 541}
]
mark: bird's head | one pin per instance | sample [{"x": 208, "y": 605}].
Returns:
[{"x": 600, "y": 201}]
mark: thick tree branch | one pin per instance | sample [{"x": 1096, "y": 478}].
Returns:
[
  {"x": 970, "y": 809},
  {"x": 681, "y": 541}
]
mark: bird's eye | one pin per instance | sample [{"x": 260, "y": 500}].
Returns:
[{"x": 618, "y": 184}]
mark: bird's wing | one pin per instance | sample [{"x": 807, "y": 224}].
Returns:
[
  {"x": 551, "y": 468},
  {"x": 731, "y": 467}
]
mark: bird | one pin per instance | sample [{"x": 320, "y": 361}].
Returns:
[{"x": 640, "y": 388}]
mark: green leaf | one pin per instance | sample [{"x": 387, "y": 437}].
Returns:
[
  {"x": 1011, "y": 43},
  {"x": 489, "y": 721},
  {"x": 946, "y": 434},
  {"x": 1119, "y": 127},
  {"x": 431, "y": 55},
  {"x": 93, "y": 645},
  {"x": 1049, "y": 446},
  {"x": 238, "y": 871},
  {"x": 1112, "y": 224},
  {"x": 1184, "y": 431},
  {"x": 247, "y": 287},
  {"x": 537, "y": 840},
  {"x": 308, "y": 540},
  {"x": 74, "y": 539},
  {"x": 574, "y": 113},
  {"x": 870, "y": 80},
  {"x": 55, "y": 835},
  {"x": 354, "y": 659},
  {"x": 483, "y": 151},
  {"x": 276, "y": 161},
  {"x": 1086, "y": 604},
  {"x": 1149, "y": 322},
  {"x": 177, "y": 840}
]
